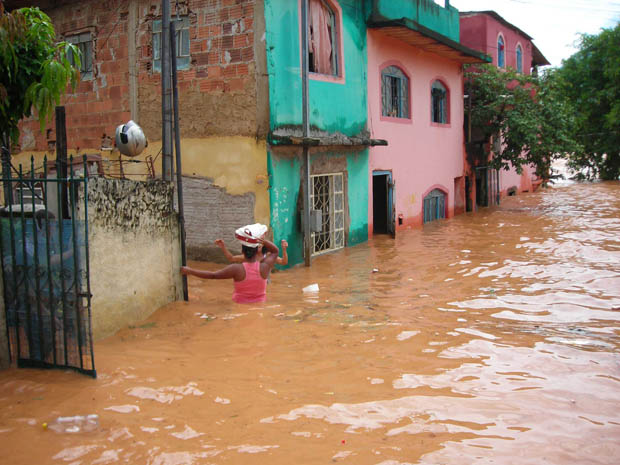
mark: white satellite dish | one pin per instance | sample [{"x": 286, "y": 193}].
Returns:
[{"x": 130, "y": 140}]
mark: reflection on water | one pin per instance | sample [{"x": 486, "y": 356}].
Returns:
[{"x": 488, "y": 338}]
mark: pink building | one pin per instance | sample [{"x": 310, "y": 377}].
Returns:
[
  {"x": 415, "y": 102},
  {"x": 509, "y": 47}
]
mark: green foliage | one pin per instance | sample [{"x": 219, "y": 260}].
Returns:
[
  {"x": 590, "y": 81},
  {"x": 34, "y": 68},
  {"x": 534, "y": 123}
]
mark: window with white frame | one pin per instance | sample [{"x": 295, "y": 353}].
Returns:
[
  {"x": 327, "y": 195},
  {"x": 439, "y": 103},
  {"x": 519, "y": 59},
  {"x": 323, "y": 39},
  {"x": 182, "y": 43},
  {"x": 394, "y": 93},
  {"x": 501, "y": 53},
  {"x": 84, "y": 43}
]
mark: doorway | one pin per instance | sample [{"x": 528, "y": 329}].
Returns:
[{"x": 382, "y": 203}]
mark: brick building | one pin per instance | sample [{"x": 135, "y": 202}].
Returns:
[{"x": 223, "y": 101}]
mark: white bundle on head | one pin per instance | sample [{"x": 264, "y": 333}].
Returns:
[{"x": 249, "y": 235}]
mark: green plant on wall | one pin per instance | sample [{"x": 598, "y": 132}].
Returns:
[{"x": 534, "y": 121}]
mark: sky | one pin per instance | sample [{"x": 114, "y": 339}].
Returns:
[{"x": 554, "y": 25}]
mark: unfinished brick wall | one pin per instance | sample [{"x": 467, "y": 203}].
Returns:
[
  {"x": 211, "y": 213},
  {"x": 99, "y": 104},
  {"x": 218, "y": 93}
]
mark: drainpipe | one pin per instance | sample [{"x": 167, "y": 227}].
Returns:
[
  {"x": 166, "y": 94},
  {"x": 306, "y": 130}
]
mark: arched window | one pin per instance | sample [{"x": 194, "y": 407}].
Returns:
[
  {"x": 439, "y": 103},
  {"x": 323, "y": 40},
  {"x": 434, "y": 205},
  {"x": 394, "y": 93},
  {"x": 519, "y": 59},
  {"x": 501, "y": 53}
]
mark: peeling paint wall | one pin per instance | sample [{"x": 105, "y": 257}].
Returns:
[
  {"x": 286, "y": 194},
  {"x": 134, "y": 251},
  {"x": 347, "y": 93}
]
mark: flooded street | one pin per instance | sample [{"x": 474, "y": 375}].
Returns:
[{"x": 489, "y": 338}]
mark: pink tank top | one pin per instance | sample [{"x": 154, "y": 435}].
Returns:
[{"x": 253, "y": 288}]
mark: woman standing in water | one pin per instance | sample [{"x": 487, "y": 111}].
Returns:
[{"x": 250, "y": 277}]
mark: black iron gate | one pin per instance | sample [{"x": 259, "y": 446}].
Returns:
[{"x": 45, "y": 268}]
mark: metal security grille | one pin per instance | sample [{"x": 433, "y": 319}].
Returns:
[
  {"x": 328, "y": 196},
  {"x": 434, "y": 206},
  {"x": 45, "y": 270},
  {"x": 487, "y": 187}
]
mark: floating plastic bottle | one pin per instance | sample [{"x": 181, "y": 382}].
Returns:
[{"x": 75, "y": 424}]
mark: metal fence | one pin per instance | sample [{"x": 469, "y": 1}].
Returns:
[{"x": 45, "y": 267}]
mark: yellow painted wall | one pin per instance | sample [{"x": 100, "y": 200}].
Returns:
[{"x": 237, "y": 164}]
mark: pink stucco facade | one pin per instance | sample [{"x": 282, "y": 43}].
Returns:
[
  {"x": 421, "y": 155},
  {"x": 481, "y": 31}
]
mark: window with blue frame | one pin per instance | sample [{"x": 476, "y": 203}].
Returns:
[
  {"x": 519, "y": 59},
  {"x": 394, "y": 93},
  {"x": 501, "y": 53},
  {"x": 434, "y": 206},
  {"x": 439, "y": 103},
  {"x": 182, "y": 43}
]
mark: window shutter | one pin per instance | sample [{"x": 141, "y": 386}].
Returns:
[{"x": 385, "y": 94}]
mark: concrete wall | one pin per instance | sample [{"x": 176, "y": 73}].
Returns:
[
  {"x": 421, "y": 155},
  {"x": 134, "y": 251},
  {"x": 438, "y": 18}
]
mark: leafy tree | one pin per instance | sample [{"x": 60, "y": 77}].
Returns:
[
  {"x": 34, "y": 68},
  {"x": 590, "y": 81},
  {"x": 526, "y": 110}
]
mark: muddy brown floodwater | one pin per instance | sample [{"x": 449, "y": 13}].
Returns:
[{"x": 488, "y": 338}]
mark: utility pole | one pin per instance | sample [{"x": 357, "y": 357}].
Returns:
[
  {"x": 166, "y": 93},
  {"x": 306, "y": 131},
  {"x": 177, "y": 152}
]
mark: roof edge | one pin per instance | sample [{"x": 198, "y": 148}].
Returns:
[{"x": 417, "y": 27}]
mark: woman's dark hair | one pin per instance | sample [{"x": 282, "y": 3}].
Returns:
[{"x": 248, "y": 252}]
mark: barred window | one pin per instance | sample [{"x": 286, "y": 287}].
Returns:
[{"x": 394, "y": 93}]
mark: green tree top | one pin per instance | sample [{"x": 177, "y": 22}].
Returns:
[
  {"x": 590, "y": 82},
  {"x": 34, "y": 68},
  {"x": 534, "y": 123}
]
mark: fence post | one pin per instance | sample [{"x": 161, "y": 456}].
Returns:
[
  {"x": 61, "y": 155},
  {"x": 5, "y": 158}
]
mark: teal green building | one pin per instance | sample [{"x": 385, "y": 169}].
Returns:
[{"x": 338, "y": 122}]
